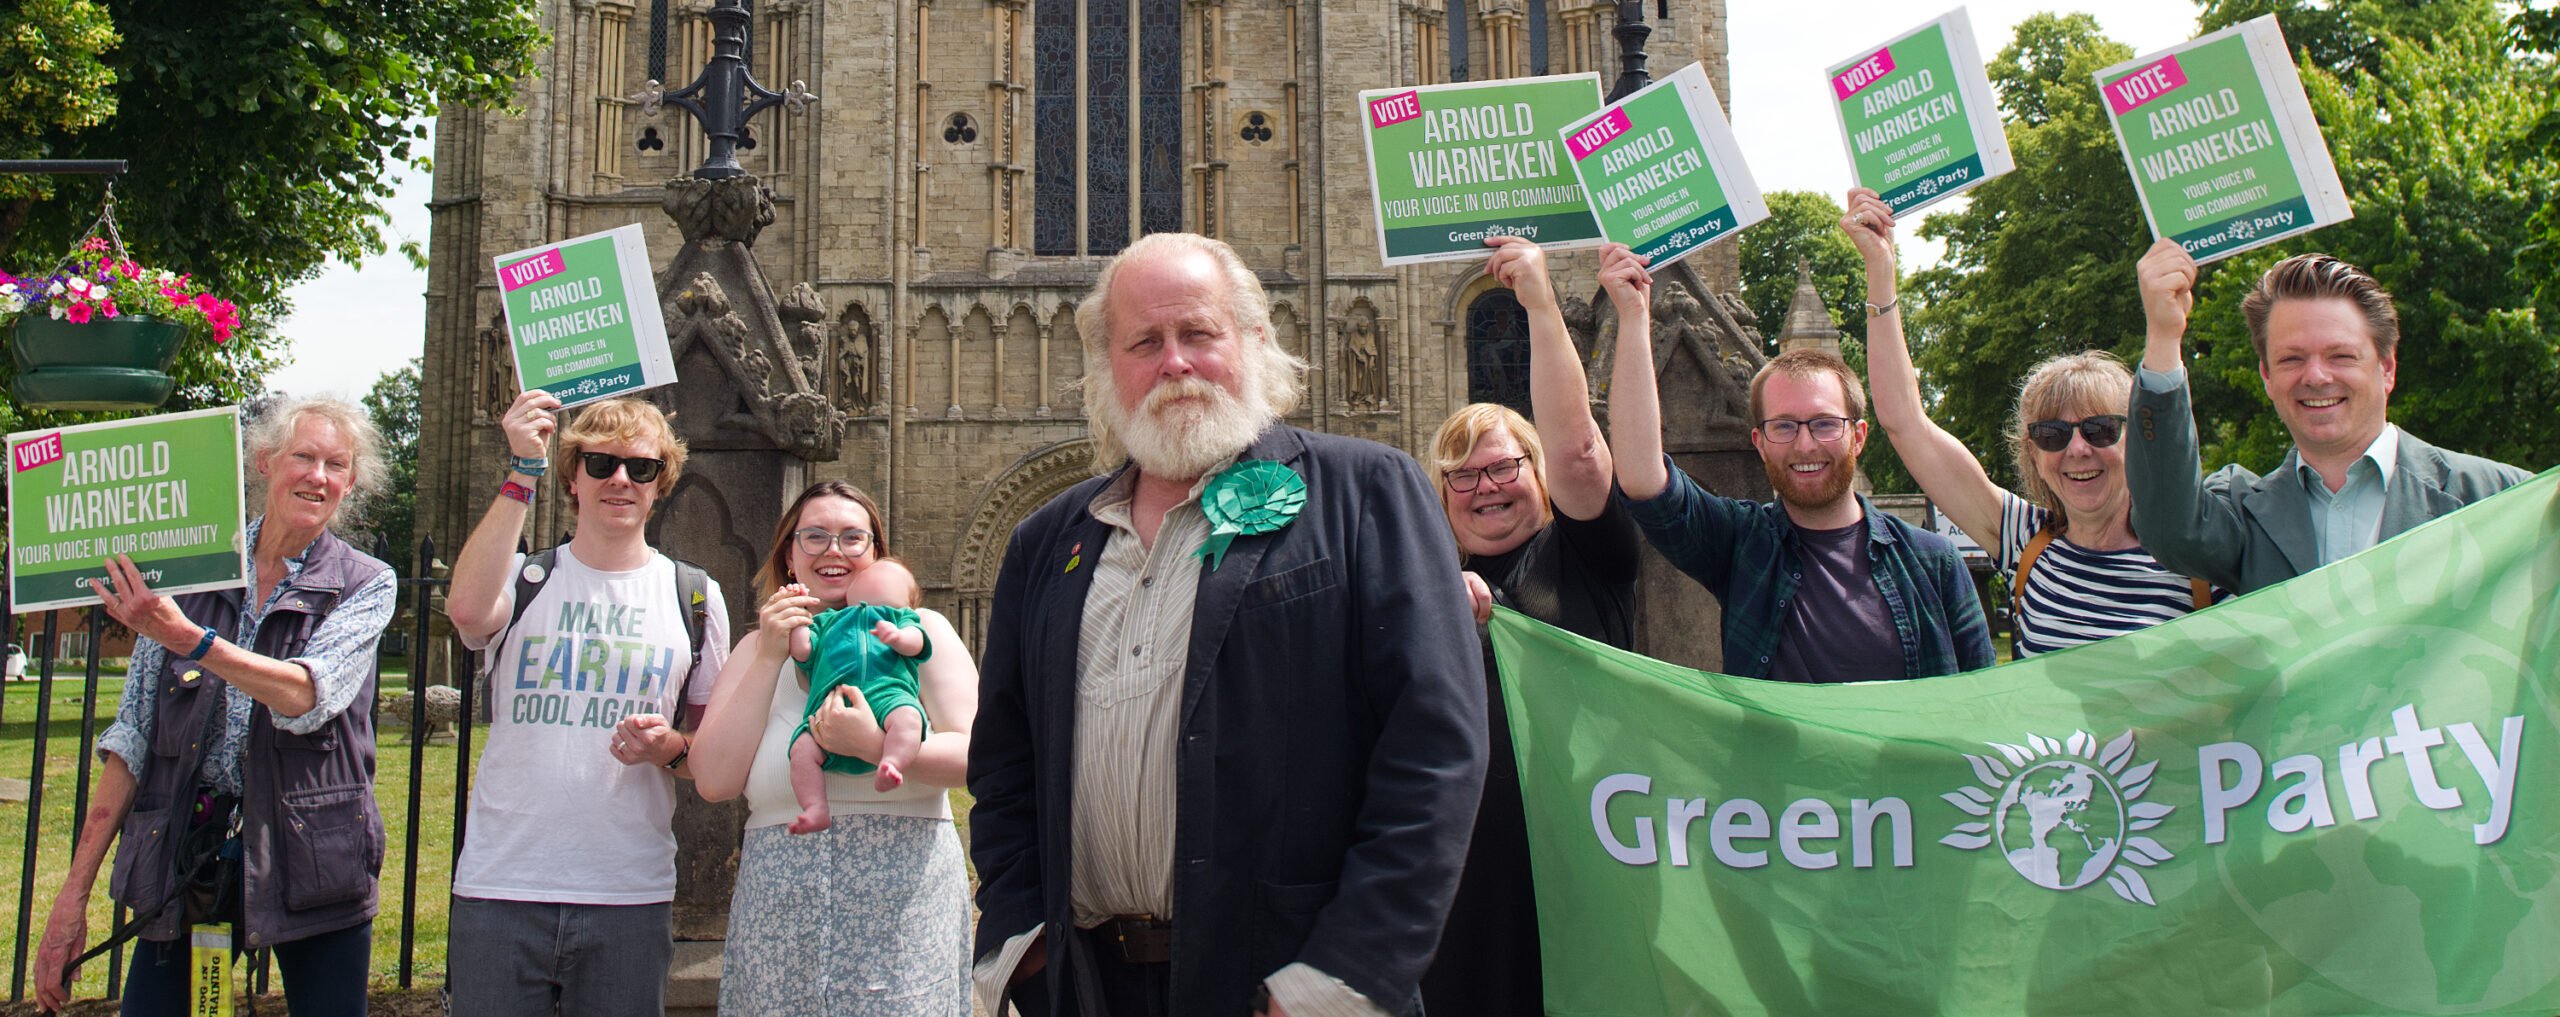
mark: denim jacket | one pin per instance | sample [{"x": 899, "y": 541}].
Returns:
[{"x": 1748, "y": 554}]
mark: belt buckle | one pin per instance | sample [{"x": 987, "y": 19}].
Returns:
[{"x": 1142, "y": 938}]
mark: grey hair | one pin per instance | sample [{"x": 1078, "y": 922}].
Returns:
[
  {"x": 274, "y": 425},
  {"x": 1280, "y": 376}
]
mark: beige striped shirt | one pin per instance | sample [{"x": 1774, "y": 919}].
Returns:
[{"x": 1129, "y": 662}]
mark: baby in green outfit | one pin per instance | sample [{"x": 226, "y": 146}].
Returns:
[{"x": 873, "y": 643}]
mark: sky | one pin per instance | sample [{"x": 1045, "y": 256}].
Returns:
[{"x": 352, "y": 324}]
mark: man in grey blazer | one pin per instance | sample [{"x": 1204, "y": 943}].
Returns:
[{"x": 2328, "y": 350}]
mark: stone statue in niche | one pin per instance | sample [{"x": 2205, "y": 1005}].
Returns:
[
  {"x": 1364, "y": 360},
  {"x": 493, "y": 374},
  {"x": 855, "y": 357}
]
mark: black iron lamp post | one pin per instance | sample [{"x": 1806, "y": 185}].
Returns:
[
  {"x": 726, "y": 95},
  {"x": 1631, "y": 33}
]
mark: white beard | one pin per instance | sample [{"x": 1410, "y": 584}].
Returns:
[{"x": 1184, "y": 440}]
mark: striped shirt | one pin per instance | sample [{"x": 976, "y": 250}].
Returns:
[{"x": 2075, "y": 595}]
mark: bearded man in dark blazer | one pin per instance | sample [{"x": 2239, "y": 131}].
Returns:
[{"x": 1231, "y": 735}]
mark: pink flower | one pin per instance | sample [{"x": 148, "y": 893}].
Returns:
[
  {"x": 78, "y": 313},
  {"x": 108, "y": 308},
  {"x": 94, "y": 244}
]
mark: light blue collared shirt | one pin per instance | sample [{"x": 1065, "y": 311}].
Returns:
[
  {"x": 2349, "y": 520},
  {"x": 338, "y": 656}
]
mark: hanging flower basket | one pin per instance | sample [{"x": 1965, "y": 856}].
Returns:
[
  {"x": 100, "y": 331},
  {"x": 104, "y": 364}
]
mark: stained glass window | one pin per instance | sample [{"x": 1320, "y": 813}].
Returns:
[
  {"x": 1053, "y": 172},
  {"x": 1537, "y": 36},
  {"x": 1498, "y": 351},
  {"x": 658, "y": 40},
  {"x": 1106, "y": 125},
  {"x": 1160, "y": 166},
  {"x": 1081, "y": 198},
  {"x": 1457, "y": 26}
]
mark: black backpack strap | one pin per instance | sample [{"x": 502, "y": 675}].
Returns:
[
  {"x": 530, "y": 575},
  {"x": 693, "y": 601}
]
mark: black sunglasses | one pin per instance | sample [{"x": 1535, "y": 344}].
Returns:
[
  {"x": 600, "y": 465},
  {"x": 2055, "y": 435}
]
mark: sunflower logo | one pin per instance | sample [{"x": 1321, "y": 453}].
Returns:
[{"x": 2065, "y": 812}]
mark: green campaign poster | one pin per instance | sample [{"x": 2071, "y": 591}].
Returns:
[
  {"x": 1918, "y": 115},
  {"x": 1662, "y": 169},
  {"x": 2338, "y": 796},
  {"x": 583, "y": 318},
  {"x": 163, "y": 489},
  {"x": 1451, "y": 165},
  {"x": 2222, "y": 145}
]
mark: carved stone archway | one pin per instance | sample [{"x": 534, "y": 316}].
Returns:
[{"x": 1021, "y": 489}]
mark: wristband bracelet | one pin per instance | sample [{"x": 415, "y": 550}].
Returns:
[
  {"x": 531, "y": 466},
  {"x": 203, "y": 646},
  {"x": 687, "y": 750},
  {"x": 517, "y": 491}
]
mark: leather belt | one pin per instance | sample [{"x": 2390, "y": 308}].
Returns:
[{"x": 1142, "y": 939}]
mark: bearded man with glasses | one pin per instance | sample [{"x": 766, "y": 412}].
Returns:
[
  {"x": 1818, "y": 586},
  {"x": 563, "y": 891},
  {"x": 2077, "y": 573}
]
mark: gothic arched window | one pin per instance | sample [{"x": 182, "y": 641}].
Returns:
[
  {"x": 1094, "y": 187},
  {"x": 1498, "y": 351}
]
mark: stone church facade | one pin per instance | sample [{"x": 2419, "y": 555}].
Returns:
[{"x": 965, "y": 170}]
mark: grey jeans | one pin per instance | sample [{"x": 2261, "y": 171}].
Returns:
[{"x": 512, "y": 958}]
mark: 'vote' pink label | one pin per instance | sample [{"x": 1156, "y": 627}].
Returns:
[
  {"x": 2146, "y": 84},
  {"x": 1861, "y": 74},
  {"x": 40, "y": 452},
  {"x": 1395, "y": 109},
  {"x": 530, "y": 271},
  {"x": 1598, "y": 135}
]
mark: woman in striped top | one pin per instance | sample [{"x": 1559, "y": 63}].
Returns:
[{"x": 2077, "y": 573}]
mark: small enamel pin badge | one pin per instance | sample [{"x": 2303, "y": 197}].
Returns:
[
  {"x": 190, "y": 677},
  {"x": 1075, "y": 557}
]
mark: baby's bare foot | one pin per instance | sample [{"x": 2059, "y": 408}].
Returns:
[
  {"x": 812, "y": 820},
  {"x": 889, "y": 778}
]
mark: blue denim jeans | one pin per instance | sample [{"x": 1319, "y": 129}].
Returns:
[
  {"x": 324, "y": 975},
  {"x": 513, "y": 958}
]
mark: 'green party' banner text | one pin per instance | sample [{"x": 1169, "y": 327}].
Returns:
[
  {"x": 2336, "y": 796},
  {"x": 164, "y": 489}
]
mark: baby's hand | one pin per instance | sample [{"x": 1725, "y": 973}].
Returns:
[{"x": 907, "y": 641}]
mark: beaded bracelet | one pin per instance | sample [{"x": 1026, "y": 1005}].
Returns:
[{"x": 516, "y": 491}]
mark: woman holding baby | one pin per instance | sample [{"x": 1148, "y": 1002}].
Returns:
[{"x": 857, "y": 902}]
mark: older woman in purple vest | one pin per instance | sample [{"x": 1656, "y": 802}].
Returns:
[{"x": 258, "y": 701}]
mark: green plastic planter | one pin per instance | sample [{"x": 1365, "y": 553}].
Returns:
[{"x": 119, "y": 364}]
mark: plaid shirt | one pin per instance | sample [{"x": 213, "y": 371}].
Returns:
[{"x": 1748, "y": 554}]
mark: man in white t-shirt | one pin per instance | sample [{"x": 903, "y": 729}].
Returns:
[{"x": 562, "y": 896}]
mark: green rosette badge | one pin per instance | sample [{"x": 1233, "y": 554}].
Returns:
[{"x": 1253, "y": 496}]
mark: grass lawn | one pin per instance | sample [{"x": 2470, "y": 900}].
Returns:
[{"x": 391, "y": 788}]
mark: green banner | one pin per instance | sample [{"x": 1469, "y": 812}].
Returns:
[
  {"x": 1918, "y": 116},
  {"x": 2222, "y": 145},
  {"x": 1451, "y": 165},
  {"x": 583, "y": 317},
  {"x": 163, "y": 489},
  {"x": 2313, "y": 800},
  {"x": 1662, "y": 169}
]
